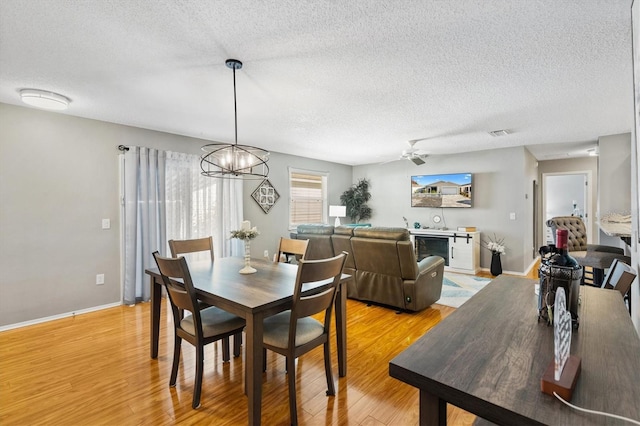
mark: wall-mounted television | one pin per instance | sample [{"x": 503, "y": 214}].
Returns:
[{"x": 444, "y": 190}]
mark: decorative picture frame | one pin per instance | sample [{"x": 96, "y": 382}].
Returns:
[{"x": 265, "y": 195}]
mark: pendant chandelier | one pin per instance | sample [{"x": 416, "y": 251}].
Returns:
[{"x": 233, "y": 161}]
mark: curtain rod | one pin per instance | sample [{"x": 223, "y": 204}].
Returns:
[{"x": 123, "y": 148}]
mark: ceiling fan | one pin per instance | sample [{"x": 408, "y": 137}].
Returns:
[{"x": 412, "y": 154}]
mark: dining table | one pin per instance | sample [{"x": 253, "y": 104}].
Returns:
[{"x": 253, "y": 297}]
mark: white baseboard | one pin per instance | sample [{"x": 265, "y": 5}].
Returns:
[
  {"x": 531, "y": 265},
  {"x": 517, "y": 274},
  {"x": 59, "y": 316}
]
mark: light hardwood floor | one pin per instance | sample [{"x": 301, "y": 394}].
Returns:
[{"x": 95, "y": 369}]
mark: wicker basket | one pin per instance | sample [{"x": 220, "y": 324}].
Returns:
[{"x": 552, "y": 277}]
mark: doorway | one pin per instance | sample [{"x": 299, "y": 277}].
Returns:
[{"x": 566, "y": 194}]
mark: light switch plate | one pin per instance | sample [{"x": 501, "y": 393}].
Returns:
[
  {"x": 512, "y": 216},
  {"x": 106, "y": 224}
]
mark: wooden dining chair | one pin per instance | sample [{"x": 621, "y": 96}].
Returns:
[
  {"x": 179, "y": 247},
  {"x": 197, "y": 245},
  {"x": 294, "y": 333},
  {"x": 288, "y": 247},
  {"x": 201, "y": 326}
]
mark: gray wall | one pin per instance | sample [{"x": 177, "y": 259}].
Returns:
[
  {"x": 614, "y": 180},
  {"x": 500, "y": 187},
  {"x": 59, "y": 177},
  {"x": 275, "y": 224},
  {"x": 530, "y": 246}
]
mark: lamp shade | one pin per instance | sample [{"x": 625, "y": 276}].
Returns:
[{"x": 338, "y": 211}]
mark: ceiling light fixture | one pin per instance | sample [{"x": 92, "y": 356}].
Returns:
[
  {"x": 44, "y": 99},
  {"x": 233, "y": 161}
]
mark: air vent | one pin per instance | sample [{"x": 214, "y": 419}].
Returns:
[{"x": 496, "y": 133}]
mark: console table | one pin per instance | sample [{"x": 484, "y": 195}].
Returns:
[
  {"x": 460, "y": 249},
  {"x": 489, "y": 355}
]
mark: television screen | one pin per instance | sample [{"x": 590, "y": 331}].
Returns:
[{"x": 445, "y": 190}]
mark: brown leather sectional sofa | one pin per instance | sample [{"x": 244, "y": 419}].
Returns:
[{"x": 382, "y": 262}]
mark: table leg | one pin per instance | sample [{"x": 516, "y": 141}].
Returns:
[
  {"x": 433, "y": 410},
  {"x": 253, "y": 372},
  {"x": 156, "y": 298},
  {"x": 341, "y": 329}
]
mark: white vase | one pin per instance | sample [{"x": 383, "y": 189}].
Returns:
[{"x": 247, "y": 259}]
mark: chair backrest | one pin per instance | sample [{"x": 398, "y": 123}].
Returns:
[
  {"x": 181, "y": 295},
  {"x": 288, "y": 246},
  {"x": 577, "y": 231},
  {"x": 179, "y": 247},
  {"x": 619, "y": 277},
  {"x": 304, "y": 305}
]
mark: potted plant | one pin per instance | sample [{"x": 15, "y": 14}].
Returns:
[{"x": 355, "y": 200}]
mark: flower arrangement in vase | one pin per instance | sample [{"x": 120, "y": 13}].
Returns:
[
  {"x": 246, "y": 233},
  {"x": 496, "y": 246}
]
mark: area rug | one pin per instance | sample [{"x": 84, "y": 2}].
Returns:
[{"x": 458, "y": 288}]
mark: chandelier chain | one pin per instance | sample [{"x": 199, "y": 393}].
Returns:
[{"x": 235, "y": 105}]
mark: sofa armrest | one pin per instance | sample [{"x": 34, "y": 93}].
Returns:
[
  {"x": 427, "y": 287},
  {"x": 428, "y": 264}
]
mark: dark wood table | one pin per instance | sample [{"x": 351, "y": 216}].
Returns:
[
  {"x": 253, "y": 297},
  {"x": 489, "y": 355}
]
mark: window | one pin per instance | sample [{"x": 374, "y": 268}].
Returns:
[{"x": 308, "y": 197}]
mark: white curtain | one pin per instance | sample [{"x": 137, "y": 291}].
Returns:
[
  {"x": 187, "y": 205},
  {"x": 199, "y": 206},
  {"x": 229, "y": 217}
]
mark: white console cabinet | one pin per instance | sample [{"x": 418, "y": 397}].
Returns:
[{"x": 460, "y": 249}]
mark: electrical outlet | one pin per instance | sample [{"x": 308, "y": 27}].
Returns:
[
  {"x": 106, "y": 224},
  {"x": 99, "y": 279},
  {"x": 266, "y": 254}
]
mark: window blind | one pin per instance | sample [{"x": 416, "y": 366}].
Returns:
[{"x": 307, "y": 198}]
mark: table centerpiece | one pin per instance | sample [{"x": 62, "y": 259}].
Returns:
[{"x": 246, "y": 233}]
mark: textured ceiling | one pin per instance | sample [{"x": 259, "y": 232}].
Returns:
[{"x": 345, "y": 81}]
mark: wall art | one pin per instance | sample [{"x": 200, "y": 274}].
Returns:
[{"x": 265, "y": 195}]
